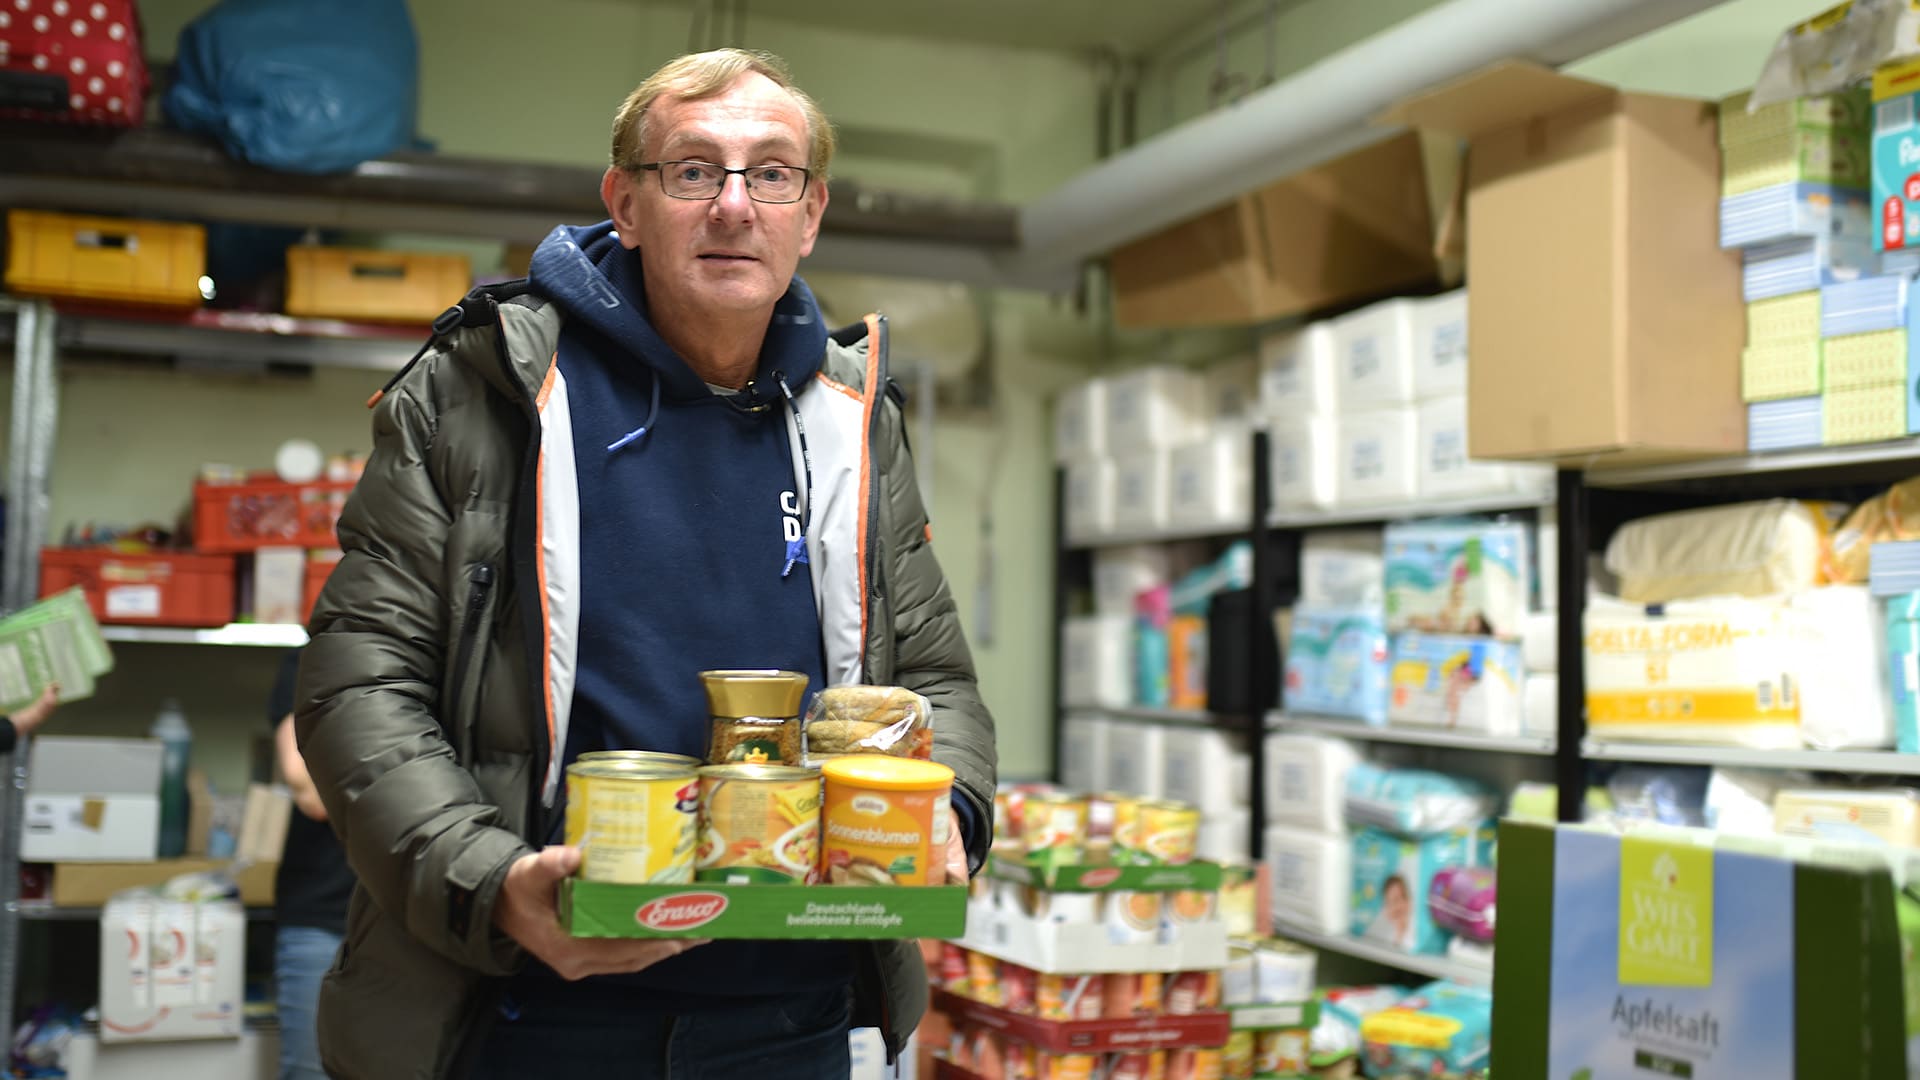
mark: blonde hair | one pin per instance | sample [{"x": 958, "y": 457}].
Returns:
[{"x": 704, "y": 75}]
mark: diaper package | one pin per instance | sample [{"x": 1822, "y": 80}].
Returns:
[
  {"x": 1376, "y": 456},
  {"x": 1791, "y": 211},
  {"x": 1443, "y": 1032},
  {"x": 1447, "y": 472},
  {"x": 1155, "y": 407},
  {"x": 1440, "y": 346},
  {"x": 1392, "y": 876},
  {"x": 1096, "y": 661},
  {"x": 1890, "y": 816},
  {"x": 1748, "y": 549},
  {"x": 1718, "y": 671},
  {"x": 1784, "y": 425},
  {"x": 1305, "y": 463},
  {"x": 1140, "y": 491},
  {"x": 1136, "y": 759},
  {"x": 1373, "y": 355},
  {"x": 1540, "y": 705},
  {"x": 1345, "y": 569},
  {"x": 1296, "y": 373},
  {"x": 1307, "y": 781},
  {"x": 1342, "y": 1011},
  {"x": 1230, "y": 389},
  {"x": 1210, "y": 483},
  {"x": 1080, "y": 422},
  {"x": 1466, "y": 577},
  {"x": 1540, "y": 642},
  {"x": 1461, "y": 683},
  {"x": 1337, "y": 663},
  {"x": 1089, "y": 499},
  {"x": 1838, "y": 643},
  {"x": 1903, "y": 669},
  {"x": 1415, "y": 802},
  {"x": 1210, "y": 770},
  {"x": 1083, "y": 753},
  {"x": 1312, "y": 878}
]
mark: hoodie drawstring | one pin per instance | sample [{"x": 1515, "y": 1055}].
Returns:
[
  {"x": 797, "y": 549},
  {"x": 634, "y": 436}
]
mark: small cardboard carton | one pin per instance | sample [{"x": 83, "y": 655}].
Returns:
[{"x": 598, "y": 909}]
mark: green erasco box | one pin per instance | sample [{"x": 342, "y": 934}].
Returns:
[{"x": 598, "y": 909}]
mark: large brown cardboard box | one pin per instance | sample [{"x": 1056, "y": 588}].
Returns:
[
  {"x": 93, "y": 884},
  {"x": 1604, "y": 322},
  {"x": 1357, "y": 227}
]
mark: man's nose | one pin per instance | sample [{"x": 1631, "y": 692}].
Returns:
[{"x": 733, "y": 203}]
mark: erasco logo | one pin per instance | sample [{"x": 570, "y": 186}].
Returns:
[{"x": 681, "y": 911}]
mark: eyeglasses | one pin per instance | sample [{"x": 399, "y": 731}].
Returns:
[{"x": 703, "y": 180}]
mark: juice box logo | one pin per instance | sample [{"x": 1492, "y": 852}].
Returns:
[
  {"x": 681, "y": 911},
  {"x": 1666, "y": 914}
]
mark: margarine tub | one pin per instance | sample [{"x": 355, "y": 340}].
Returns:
[{"x": 884, "y": 821}]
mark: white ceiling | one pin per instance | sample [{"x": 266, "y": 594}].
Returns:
[{"x": 1129, "y": 27}]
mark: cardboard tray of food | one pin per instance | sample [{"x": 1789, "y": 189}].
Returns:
[
  {"x": 1187, "y": 877},
  {"x": 595, "y": 909},
  {"x": 1090, "y": 1036},
  {"x": 1000, "y": 926},
  {"x": 1299, "y": 1014}
]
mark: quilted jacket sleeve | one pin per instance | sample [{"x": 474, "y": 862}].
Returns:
[
  {"x": 418, "y": 831},
  {"x": 930, "y": 651}
]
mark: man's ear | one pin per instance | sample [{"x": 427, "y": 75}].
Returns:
[
  {"x": 620, "y": 191},
  {"x": 816, "y": 199}
]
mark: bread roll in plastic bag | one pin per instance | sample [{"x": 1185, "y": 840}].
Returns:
[
  {"x": 886, "y": 720},
  {"x": 1748, "y": 549},
  {"x": 1894, "y": 514}
]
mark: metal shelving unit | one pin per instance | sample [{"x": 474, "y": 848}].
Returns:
[
  {"x": 259, "y": 635},
  {"x": 1425, "y": 508},
  {"x": 41, "y": 911},
  {"x": 1812, "y": 459},
  {"x": 1167, "y": 535},
  {"x": 1539, "y": 745},
  {"x": 1171, "y": 717},
  {"x": 1877, "y": 762},
  {"x": 1433, "y": 967}
]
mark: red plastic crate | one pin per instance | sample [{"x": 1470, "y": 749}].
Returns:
[
  {"x": 235, "y": 518},
  {"x": 173, "y": 588}
]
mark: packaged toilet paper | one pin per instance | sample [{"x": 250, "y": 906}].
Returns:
[
  {"x": 1392, "y": 876},
  {"x": 1336, "y": 663},
  {"x": 1459, "y": 577},
  {"x": 1459, "y": 683}
]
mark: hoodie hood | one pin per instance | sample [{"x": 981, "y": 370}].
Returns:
[{"x": 586, "y": 272}]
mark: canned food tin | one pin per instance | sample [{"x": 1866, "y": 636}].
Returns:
[
  {"x": 1134, "y": 1065},
  {"x": 1194, "y": 1063},
  {"x": 1126, "y": 826},
  {"x": 1168, "y": 832},
  {"x": 1067, "y": 1066},
  {"x": 1055, "y": 830},
  {"x": 1133, "y": 918},
  {"x": 635, "y": 823},
  {"x": 1190, "y": 992},
  {"x": 1023, "y": 1060},
  {"x": 953, "y": 968},
  {"x": 1236, "y": 1058},
  {"x": 1142, "y": 994},
  {"x": 1071, "y": 997},
  {"x": 759, "y": 823},
  {"x": 983, "y": 979},
  {"x": 884, "y": 821},
  {"x": 1281, "y": 1051},
  {"x": 1192, "y": 905},
  {"x": 1019, "y": 989},
  {"x": 645, "y": 757}
]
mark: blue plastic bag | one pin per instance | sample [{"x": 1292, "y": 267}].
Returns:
[{"x": 306, "y": 86}]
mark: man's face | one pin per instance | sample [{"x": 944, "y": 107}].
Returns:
[{"x": 730, "y": 254}]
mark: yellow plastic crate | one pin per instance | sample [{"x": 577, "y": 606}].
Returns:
[
  {"x": 1794, "y": 317},
  {"x": 1781, "y": 369},
  {"x": 1859, "y": 361},
  {"x": 103, "y": 258},
  {"x": 1872, "y": 414},
  {"x": 373, "y": 286}
]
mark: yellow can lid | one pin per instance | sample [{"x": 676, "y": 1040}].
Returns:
[{"x": 888, "y": 773}]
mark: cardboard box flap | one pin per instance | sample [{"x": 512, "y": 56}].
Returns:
[{"x": 1494, "y": 97}]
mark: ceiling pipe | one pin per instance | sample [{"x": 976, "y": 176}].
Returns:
[{"x": 1312, "y": 116}]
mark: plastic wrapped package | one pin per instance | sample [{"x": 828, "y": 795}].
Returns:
[
  {"x": 1392, "y": 877},
  {"x": 1343, "y": 569},
  {"x": 1090, "y": 487},
  {"x": 1540, "y": 705},
  {"x": 1839, "y": 642},
  {"x": 1121, "y": 574},
  {"x": 1376, "y": 456},
  {"x": 1415, "y": 802},
  {"x": 1468, "y": 577},
  {"x": 1400, "y": 1043},
  {"x": 888, "y": 720},
  {"x": 1894, "y": 514},
  {"x": 1461, "y": 901},
  {"x": 1296, "y": 373},
  {"x": 1886, "y": 816},
  {"x": 1717, "y": 671},
  {"x": 1096, "y": 661},
  {"x": 1740, "y": 801},
  {"x": 1454, "y": 682},
  {"x": 1307, "y": 781},
  {"x": 1305, "y": 463},
  {"x": 1155, "y": 407},
  {"x": 1903, "y": 669},
  {"x": 1336, "y": 663},
  {"x": 1312, "y": 878},
  {"x": 1343, "y": 1011},
  {"x": 1080, "y": 422},
  {"x": 1660, "y": 794},
  {"x": 1749, "y": 549},
  {"x": 1540, "y": 642}
]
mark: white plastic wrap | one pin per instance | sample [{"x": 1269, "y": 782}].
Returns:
[
  {"x": 1096, "y": 661},
  {"x": 1210, "y": 483},
  {"x": 1136, "y": 759},
  {"x": 1080, "y": 422},
  {"x": 1375, "y": 457},
  {"x": 1446, "y": 470},
  {"x": 1440, "y": 346},
  {"x": 1306, "y": 463},
  {"x": 1089, "y": 499},
  {"x": 1156, "y": 407},
  {"x": 1540, "y": 642},
  {"x": 1540, "y": 708},
  {"x": 1373, "y": 355},
  {"x": 1840, "y": 647},
  {"x": 1344, "y": 569},
  {"x": 1307, "y": 781},
  {"x": 1296, "y": 373},
  {"x": 1312, "y": 878},
  {"x": 1083, "y": 753},
  {"x": 1140, "y": 491},
  {"x": 1209, "y": 769},
  {"x": 1749, "y": 549}
]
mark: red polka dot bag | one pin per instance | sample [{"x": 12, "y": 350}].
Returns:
[{"x": 72, "y": 61}]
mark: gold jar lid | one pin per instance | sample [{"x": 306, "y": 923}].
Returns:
[
  {"x": 779, "y": 773},
  {"x": 746, "y": 693},
  {"x": 655, "y": 756}
]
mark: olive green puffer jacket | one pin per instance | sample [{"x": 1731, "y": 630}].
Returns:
[{"x": 441, "y": 657}]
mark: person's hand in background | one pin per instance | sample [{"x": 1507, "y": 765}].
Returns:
[
  {"x": 29, "y": 719},
  {"x": 293, "y": 771}
]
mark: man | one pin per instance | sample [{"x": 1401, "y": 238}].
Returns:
[{"x": 649, "y": 460}]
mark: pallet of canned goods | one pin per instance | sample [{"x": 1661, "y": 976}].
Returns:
[{"x": 1020, "y": 1021}]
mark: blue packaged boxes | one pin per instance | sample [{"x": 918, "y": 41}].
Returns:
[
  {"x": 1893, "y": 568},
  {"x": 1787, "y": 212},
  {"x": 1793, "y": 266},
  {"x": 1866, "y": 305},
  {"x": 1392, "y": 875},
  {"x": 1455, "y": 682},
  {"x": 1337, "y": 663},
  {"x": 1459, "y": 577},
  {"x": 1903, "y": 665},
  {"x": 1444, "y": 1031},
  {"x": 1783, "y": 425}
]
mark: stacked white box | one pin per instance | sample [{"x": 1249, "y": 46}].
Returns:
[
  {"x": 1376, "y": 457},
  {"x": 1124, "y": 572},
  {"x": 1083, "y": 753},
  {"x": 1440, "y": 346},
  {"x": 1307, "y": 781},
  {"x": 1226, "y": 837},
  {"x": 1096, "y": 661},
  {"x": 1210, "y": 483},
  {"x": 1231, "y": 389},
  {"x": 1089, "y": 499},
  {"x": 1312, "y": 878},
  {"x": 1209, "y": 769},
  {"x": 1373, "y": 350},
  {"x": 1296, "y": 373},
  {"x": 1306, "y": 463},
  {"x": 1157, "y": 407},
  {"x": 1140, "y": 491},
  {"x": 171, "y": 969},
  {"x": 1080, "y": 422},
  {"x": 1445, "y": 470},
  {"x": 1136, "y": 759}
]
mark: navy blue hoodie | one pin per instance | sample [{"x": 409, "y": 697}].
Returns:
[{"x": 684, "y": 498}]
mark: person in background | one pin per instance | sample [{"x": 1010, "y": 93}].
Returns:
[
  {"x": 650, "y": 459},
  {"x": 24, "y": 723},
  {"x": 309, "y": 894}
]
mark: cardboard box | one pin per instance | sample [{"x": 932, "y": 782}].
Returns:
[
  {"x": 92, "y": 884},
  {"x": 599, "y": 909},
  {"x": 263, "y": 825},
  {"x": 1605, "y": 322},
  {"x": 999, "y": 925},
  {"x": 183, "y": 976},
  {"x": 279, "y": 585},
  {"x": 1357, "y": 227},
  {"x": 92, "y": 799}
]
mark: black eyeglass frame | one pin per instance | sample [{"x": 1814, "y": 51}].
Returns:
[{"x": 658, "y": 169}]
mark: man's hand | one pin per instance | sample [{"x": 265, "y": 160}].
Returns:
[
  {"x": 956, "y": 849},
  {"x": 526, "y": 912},
  {"x": 293, "y": 770},
  {"x": 27, "y": 720}
]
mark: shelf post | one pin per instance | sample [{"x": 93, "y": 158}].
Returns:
[
  {"x": 1569, "y": 764},
  {"x": 1262, "y": 658}
]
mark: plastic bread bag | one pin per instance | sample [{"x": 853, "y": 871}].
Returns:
[{"x": 886, "y": 720}]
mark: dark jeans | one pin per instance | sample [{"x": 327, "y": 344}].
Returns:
[{"x": 574, "y": 1034}]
